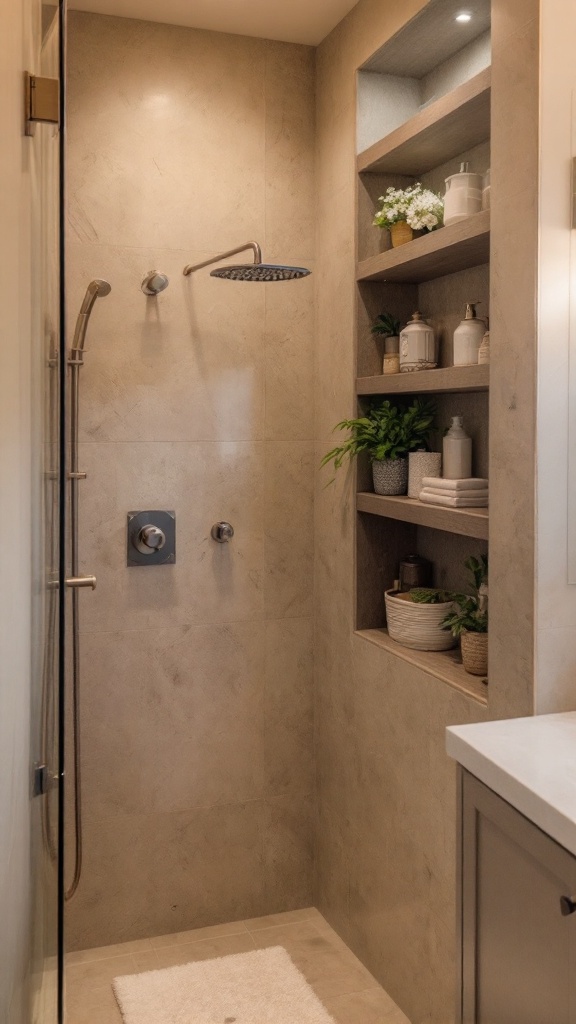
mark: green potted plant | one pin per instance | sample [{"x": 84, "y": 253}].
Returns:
[
  {"x": 388, "y": 327},
  {"x": 469, "y": 620},
  {"x": 388, "y": 432},
  {"x": 406, "y": 210}
]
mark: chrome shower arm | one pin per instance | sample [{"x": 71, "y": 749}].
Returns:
[{"x": 224, "y": 255}]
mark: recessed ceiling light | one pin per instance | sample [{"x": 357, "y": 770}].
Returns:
[{"x": 464, "y": 16}]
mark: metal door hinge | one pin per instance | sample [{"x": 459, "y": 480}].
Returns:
[
  {"x": 39, "y": 780},
  {"x": 41, "y": 101}
]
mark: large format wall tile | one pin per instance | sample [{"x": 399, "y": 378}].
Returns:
[
  {"x": 152, "y": 873},
  {"x": 196, "y": 677},
  {"x": 186, "y": 365},
  {"x": 166, "y": 135},
  {"x": 203, "y": 483}
]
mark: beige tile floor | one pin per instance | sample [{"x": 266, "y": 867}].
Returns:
[{"x": 347, "y": 989}]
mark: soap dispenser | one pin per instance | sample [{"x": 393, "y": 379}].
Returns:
[
  {"x": 468, "y": 337},
  {"x": 457, "y": 452}
]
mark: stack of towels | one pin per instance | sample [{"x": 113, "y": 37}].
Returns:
[{"x": 471, "y": 493}]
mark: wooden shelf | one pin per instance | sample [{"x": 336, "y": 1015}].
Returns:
[
  {"x": 449, "y": 126},
  {"x": 468, "y": 522},
  {"x": 444, "y": 665},
  {"x": 444, "y": 251},
  {"x": 446, "y": 379}
]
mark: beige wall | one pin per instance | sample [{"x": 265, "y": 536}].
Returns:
[
  {"x": 556, "y": 604},
  {"x": 196, "y": 678},
  {"x": 387, "y": 800}
]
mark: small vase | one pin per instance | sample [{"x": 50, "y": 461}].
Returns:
[
  {"x": 390, "y": 476},
  {"x": 474, "y": 647},
  {"x": 401, "y": 232},
  {"x": 391, "y": 363},
  {"x": 421, "y": 464}
]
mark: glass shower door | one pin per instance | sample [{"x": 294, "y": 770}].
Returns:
[{"x": 46, "y": 369}]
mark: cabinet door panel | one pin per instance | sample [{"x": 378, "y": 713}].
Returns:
[{"x": 519, "y": 955}]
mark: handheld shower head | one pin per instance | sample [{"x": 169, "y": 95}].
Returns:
[
  {"x": 95, "y": 290},
  {"x": 256, "y": 271}
]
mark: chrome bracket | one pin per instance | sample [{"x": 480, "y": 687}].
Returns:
[{"x": 41, "y": 101}]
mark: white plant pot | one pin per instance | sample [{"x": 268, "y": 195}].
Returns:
[
  {"x": 418, "y": 626},
  {"x": 421, "y": 464}
]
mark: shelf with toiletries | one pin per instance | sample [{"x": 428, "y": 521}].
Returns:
[
  {"x": 444, "y": 665},
  {"x": 457, "y": 121},
  {"x": 423, "y": 250},
  {"x": 447, "y": 379}
]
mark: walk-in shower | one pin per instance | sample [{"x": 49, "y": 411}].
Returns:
[
  {"x": 96, "y": 289},
  {"x": 256, "y": 271}
]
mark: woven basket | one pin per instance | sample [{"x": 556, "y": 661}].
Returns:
[
  {"x": 474, "y": 648},
  {"x": 417, "y": 626},
  {"x": 401, "y": 232}
]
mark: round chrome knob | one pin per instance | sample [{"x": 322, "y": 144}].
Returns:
[
  {"x": 222, "y": 532},
  {"x": 150, "y": 539}
]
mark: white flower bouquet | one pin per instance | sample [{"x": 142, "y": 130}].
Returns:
[{"x": 418, "y": 206}]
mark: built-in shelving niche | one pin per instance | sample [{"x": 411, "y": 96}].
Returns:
[{"x": 423, "y": 108}]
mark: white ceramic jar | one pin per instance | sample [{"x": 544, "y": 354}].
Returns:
[
  {"x": 463, "y": 195},
  {"x": 417, "y": 346}
]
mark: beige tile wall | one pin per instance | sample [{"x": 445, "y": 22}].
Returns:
[
  {"x": 196, "y": 678},
  {"x": 386, "y": 790}
]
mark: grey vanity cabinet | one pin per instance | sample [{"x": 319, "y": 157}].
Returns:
[{"x": 518, "y": 934}]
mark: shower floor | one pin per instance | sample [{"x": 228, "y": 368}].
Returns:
[{"x": 349, "y": 992}]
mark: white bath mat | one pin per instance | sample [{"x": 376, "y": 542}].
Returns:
[{"x": 262, "y": 987}]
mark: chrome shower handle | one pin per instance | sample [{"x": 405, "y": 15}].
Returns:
[
  {"x": 81, "y": 581},
  {"x": 222, "y": 532},
  {"x": 150, "y": 539}
]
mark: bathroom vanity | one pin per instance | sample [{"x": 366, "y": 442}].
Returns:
[{"x": 517, "y": 870}]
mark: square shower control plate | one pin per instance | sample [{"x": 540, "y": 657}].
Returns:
[{"x": 151, "y": 538}]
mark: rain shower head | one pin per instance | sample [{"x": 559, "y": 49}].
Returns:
[
  {"x": 256, "y": 271},
  {"x": 259, "y": 272}
]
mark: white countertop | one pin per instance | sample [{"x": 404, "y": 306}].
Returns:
[{"x": 530, "y": 762}]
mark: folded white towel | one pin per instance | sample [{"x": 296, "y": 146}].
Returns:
[
  {"x": 473, "y": 483},
  {"x": 441, "y": 493},
  {"x": 452, "y": 501}
]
